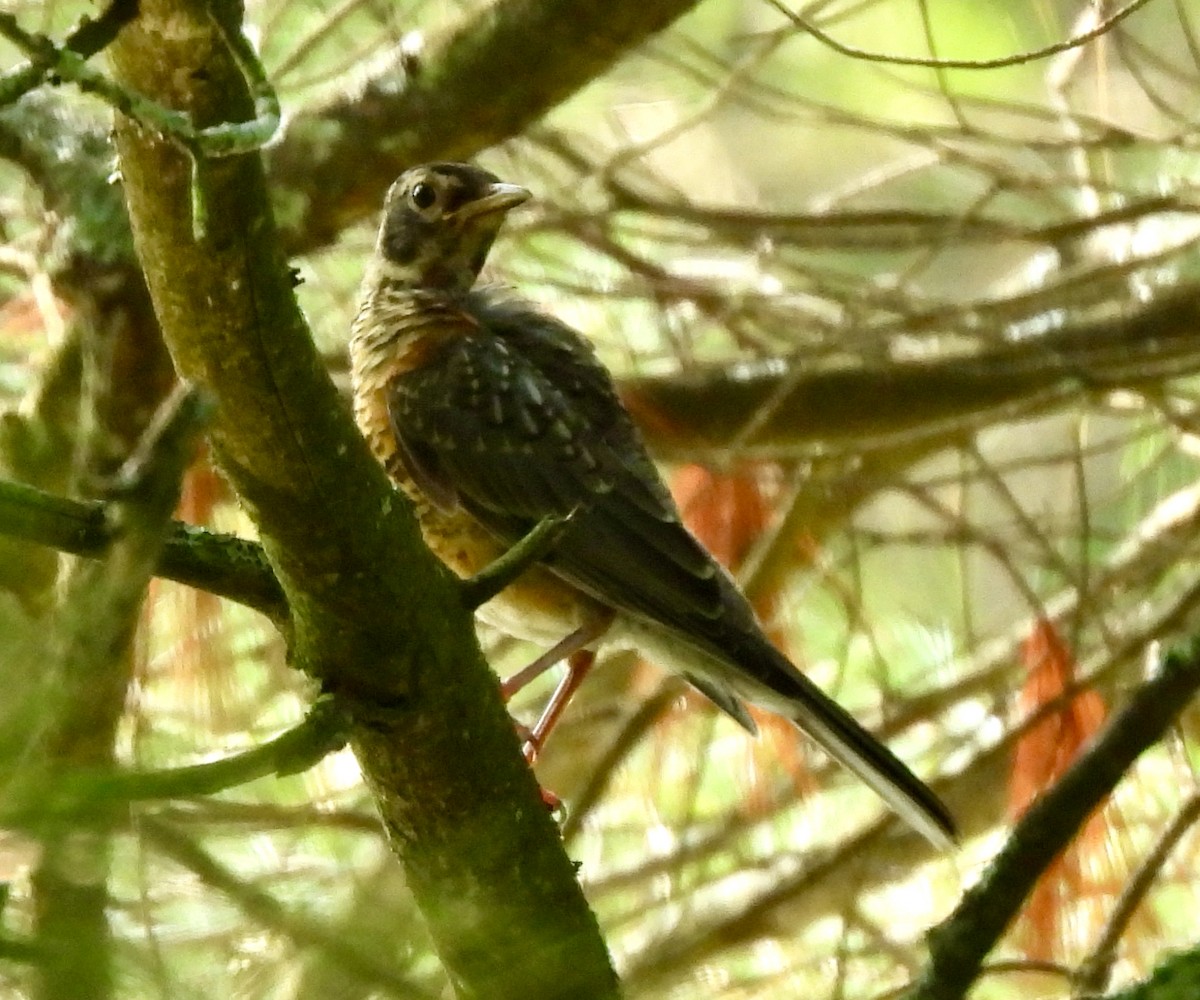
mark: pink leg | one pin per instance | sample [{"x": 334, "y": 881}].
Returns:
[
  {"x": 579, "y": 665},
  {"x": 559, "y": 651}
]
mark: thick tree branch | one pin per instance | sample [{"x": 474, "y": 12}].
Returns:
[
  {"x": 374, "y": 616},
  {"x": 879, "y": 407},
  {"x": 481, "y": 82}
]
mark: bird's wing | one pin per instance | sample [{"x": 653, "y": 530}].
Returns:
[{"x": 518, "y": 420}]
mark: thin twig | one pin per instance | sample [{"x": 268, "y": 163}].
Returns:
[
  {"x": 1030, "y": 55},
  {"x": 302, "y": 746},
  {"x": 493, "y": 578},
  {"x": 1094, "y": 971}
]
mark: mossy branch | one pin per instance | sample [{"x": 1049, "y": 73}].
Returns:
[
  {"x": 79, "y": 794},
  {"x": 222, "y": 564}
]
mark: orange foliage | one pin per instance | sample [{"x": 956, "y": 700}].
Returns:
[
  {"x": 725, "y": 510},
  {"x": 203, "y": 490},
  {"x": 198, "y": 656},
  {"x": 728, "y": 512},
  {"x": 1044, "y": 752}
]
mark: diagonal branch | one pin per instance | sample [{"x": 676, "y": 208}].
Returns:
[
  {"x": 305, "y": 933},
  {"x": 483, "y": 81},
  {"x": 959, "y": 946},
  {"x": 83, "y": 684}
]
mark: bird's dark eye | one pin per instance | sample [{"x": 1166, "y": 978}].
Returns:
[{"x": 423, "y": 195}]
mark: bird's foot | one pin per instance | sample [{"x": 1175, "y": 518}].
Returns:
[
  {"x": 530, "y": 748},
  {"x": 552, "y": 802}
]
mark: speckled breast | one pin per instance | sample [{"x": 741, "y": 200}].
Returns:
[{"x": 538, "y": 606}]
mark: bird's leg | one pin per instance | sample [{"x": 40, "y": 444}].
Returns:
[
  {"x": 571, "y": 648},
  {"x": 579, "y": 665},
  {"x": 586, "y": 633}
]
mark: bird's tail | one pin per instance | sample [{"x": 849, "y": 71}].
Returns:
[
  {"x": 847, "y": 742},
  {"x": 851, "y": 745}
]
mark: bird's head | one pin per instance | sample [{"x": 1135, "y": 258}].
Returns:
[{"x": 439, "y": 221}]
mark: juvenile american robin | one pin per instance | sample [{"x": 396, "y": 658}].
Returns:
[{"x": 492, "y": 416}]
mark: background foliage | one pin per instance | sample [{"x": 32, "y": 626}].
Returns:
[{"x": 917, "y": 345}]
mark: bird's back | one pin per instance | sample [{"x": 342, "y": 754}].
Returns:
[{"x": 551, "y": 437}]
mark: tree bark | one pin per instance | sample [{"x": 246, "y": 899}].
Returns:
[{"x": 372, "y": 615}]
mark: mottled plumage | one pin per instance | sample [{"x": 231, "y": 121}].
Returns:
[{"x": 491, "y": 416}]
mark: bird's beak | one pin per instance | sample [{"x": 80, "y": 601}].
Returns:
[{"x": 498, "y": 197}]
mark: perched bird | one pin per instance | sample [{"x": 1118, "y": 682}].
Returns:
[{"x": 492, "y": 416}]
